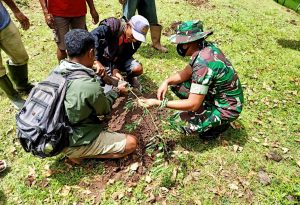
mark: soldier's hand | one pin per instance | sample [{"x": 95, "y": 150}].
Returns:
[
  {"x": 147, "y": 103},
  {"x": 50, "y": 20},
  {"x": 95, "y": 16},
  {"x": 122, "y": 1},
  {"x": 24, "y": 21},
  {"x": 161, "y": 92}
]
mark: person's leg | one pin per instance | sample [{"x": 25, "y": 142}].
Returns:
[
  {"x": 5, "y": 83},
  {"x": 12, "y": 45},
  {"x": 133, "y": 68},
  {"x": 78, "y": 22},
  {"x": 106, "y": 145},
  {"x": 213, "y": 124},
  {"x": 62, "y": 27},
  {"x": 2, "y": 68},
  {"x": 206, "y": 122},
  {"x": 129, "y": 8},
  {"x": 182, "y": 90},
  {"x": 131, "y": 144},
  {"x": 147, "y": 8}
]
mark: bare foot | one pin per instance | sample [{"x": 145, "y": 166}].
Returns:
[{"x": 160, "y": 48}]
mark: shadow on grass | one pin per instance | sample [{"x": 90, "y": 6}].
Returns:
[
  {"x": 5, "y": 172},
  {"x": 150, "y": 88},
  {"x": 230, "y": 137},
  {"x": 292, "y": 44},
  {"x": 70, "y": 175},
  {"x": 150, "y": 53},
  {"x": 2, "y": 198}
]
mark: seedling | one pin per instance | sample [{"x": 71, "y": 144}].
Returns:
[
  {"x": 130, "y": 105},
  {"x": 131, "y": 127},
  {"x": 158, "y": 138}
]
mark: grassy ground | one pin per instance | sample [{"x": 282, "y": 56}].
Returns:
[{"x": 261, "y": 38}]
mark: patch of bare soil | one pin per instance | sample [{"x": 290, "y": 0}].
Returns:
[
  {"x": 131, "y": 168},
  {"x": 198, "y": 2},
  {"x": 172, "y": 29}
]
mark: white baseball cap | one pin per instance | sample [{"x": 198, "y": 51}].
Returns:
[{"x": 140, "y": 27}]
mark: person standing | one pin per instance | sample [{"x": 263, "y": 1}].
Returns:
[
  {"x": 12, "y": 45},
  {"x": 63, "y": 15},
  {"x": 147, "y": 9},
  {"x": 209, "y": 88}
]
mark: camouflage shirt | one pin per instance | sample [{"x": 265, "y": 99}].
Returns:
[{"x": 214, "y": 76}]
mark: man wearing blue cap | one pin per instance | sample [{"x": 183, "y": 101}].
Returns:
[{"x": 116, "y": 42}]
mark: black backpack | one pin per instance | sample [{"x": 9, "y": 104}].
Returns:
[{"x": 42, "y": 124}]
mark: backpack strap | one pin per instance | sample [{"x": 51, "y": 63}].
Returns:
[{"x": 76, "y": 74}]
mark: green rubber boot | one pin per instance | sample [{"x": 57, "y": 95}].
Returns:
[
  {"x": 19, "y": 76},
  {"x": 11, "y": 93}
]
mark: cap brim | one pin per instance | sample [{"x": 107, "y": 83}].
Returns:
[
  {"x": 181, "y": 39},
  {"x": 172, "y": 38},
  {"x": 138, "y": 36}
]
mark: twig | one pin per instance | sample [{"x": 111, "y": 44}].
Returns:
[{"x": 152, "y": 119}]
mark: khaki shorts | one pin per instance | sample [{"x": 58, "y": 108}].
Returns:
[
  {"x": 63, "y": 25},
  {"x": 105, "y": 143}
]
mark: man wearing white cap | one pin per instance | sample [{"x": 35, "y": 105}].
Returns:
[
  {"x": 116, "y": 42},
  {"x": 146, "y": 8}
]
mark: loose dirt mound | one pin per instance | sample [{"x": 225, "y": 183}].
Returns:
[{"x": 126, "y": 117}]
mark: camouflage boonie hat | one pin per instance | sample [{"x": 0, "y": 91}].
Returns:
[{"x": 189, "y": 31}]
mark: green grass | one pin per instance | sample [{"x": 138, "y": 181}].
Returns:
[{"x": 263, "y": 43}]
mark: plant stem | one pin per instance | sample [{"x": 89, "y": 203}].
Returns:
[{"x": 152, "y": 119}]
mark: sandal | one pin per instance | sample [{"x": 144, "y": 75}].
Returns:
[{"x": 3, "y": 165}]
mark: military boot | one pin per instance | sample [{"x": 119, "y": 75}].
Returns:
[
  {"x": 155, "y": 36},
  {"x": 214, "y": 132},
  {"x": 11, "y": 93},
  {"x": 19, "y": 76}
]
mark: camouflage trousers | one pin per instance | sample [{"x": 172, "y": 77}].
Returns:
[{"x": 202, "y": 120}]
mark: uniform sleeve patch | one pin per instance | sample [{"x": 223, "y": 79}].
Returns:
[{"x": 199, "y": 89}]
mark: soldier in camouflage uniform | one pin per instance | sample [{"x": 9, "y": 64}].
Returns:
[{"x": 209, "y": 88}]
